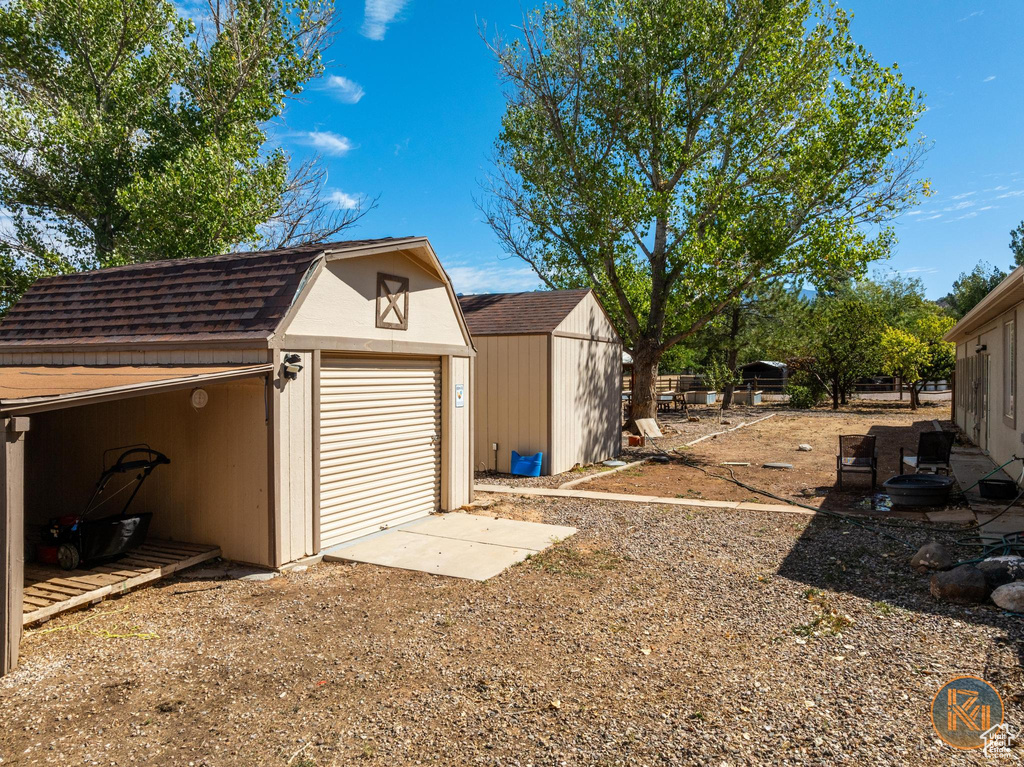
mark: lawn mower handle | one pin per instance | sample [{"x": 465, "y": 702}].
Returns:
[{"x": 123, "y": 465}]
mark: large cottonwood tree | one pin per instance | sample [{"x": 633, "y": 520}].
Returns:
[
  {"x": 670, "y": 154},
  {"x": 130, "y": 132}
]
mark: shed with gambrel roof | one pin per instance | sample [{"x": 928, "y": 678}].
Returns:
[
  {"x": 548, "y": 378},
  {"x": 304, "y": 396}
]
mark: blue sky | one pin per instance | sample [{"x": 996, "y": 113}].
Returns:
[{"x": 409, "y": 108}]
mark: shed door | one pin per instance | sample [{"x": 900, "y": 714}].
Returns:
[{"x": 380, "y": 451}]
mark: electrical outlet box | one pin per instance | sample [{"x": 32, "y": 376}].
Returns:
[{"x": 494, "y": 446}]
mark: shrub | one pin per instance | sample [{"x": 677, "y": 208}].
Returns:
[{"x": 801, "y": 396}]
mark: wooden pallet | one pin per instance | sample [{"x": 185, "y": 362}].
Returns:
[{"x": 50, "y": 591}]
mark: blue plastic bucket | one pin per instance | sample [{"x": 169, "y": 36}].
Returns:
[{"x": 526, "y": 465}]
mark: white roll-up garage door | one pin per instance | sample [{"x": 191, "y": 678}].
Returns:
[{"x": 380, "y": 444}]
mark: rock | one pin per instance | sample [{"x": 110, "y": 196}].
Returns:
[
  {"x": 931, "y": 556},
  {"x": 804, "y": 448},
  {"x": 1002, "y": 570},
  {"x": 693, "y": 419},
  {"x": 964, "y": 585},
  {"x": 1010, "y": 597}
]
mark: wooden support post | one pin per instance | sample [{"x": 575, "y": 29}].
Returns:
[{"x": 12, "y": 540}]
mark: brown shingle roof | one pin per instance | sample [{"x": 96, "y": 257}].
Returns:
[
  {"x": 232, "y": 297},
  {"x": 493, "y": 314}
]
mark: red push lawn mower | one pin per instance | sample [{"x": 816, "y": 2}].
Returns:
[{"x": 73, "y": 540}]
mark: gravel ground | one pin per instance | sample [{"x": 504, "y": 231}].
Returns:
[{"x": 656, "y": 636}]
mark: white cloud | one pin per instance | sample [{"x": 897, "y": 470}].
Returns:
[
  {"x": 959, "y": 206},
  {"x": 972, "y": 214},
  {"x": 971, "y": 15},
  {"x": 931, "y": 218},
  {"x": 915, "y": 213},
  {"x": 962, "y": 196},
  {"x": 377, "y": 16},
  {"x": 344, "y": 200},
  {"x": 920, "y": 270},
  {"x": 345, "y": 90},
  {"x": 492, "y": 279},
  {"x": 327, "y": 142},
  {"x": 989, "y": 79},
  {"x": 1015, "y": 193},
  {"x": 989, "y": 207}
]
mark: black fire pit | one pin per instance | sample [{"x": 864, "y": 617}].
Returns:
[{"x": 919, "y": 489}]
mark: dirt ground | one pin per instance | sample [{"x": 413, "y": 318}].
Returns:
[
  {"x": 655, "y": 636},
  {"x": 677, "y": 427},
  {"x": 812, "y": 480}
]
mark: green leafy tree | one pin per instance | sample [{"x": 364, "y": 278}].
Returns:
[
  {"x": 919, "y": 355},
  {"x": 841, "y": 336},
  {"x": 970, "y": 287},
  {"x": 127, "y": 133},
  {"x": 905, "y": 355},
  {"x": 1017, "y": 244},
  {"x": 670, "y": 154}
]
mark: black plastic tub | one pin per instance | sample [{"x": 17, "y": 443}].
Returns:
[
  {"x": 919, "y": 489},
  {"x": 998, "y": 489}
]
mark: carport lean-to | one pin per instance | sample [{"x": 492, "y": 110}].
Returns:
[{"x": 304, "y": 396}]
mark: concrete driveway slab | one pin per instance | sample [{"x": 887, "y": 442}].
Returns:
[
  {"x": 458, "y": 545},
  {"x": 502, "y": 532}
]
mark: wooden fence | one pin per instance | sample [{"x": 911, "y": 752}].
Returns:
[{"x": 684, "y": 382}]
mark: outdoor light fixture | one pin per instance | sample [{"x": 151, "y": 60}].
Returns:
[
  {"x": 980, "y": 348},
  {"x": 291, "y": 367}
]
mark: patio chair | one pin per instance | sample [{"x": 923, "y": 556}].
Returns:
[
  {"x": 933, "y": 450},
  {"x": 857, "y": 455}
]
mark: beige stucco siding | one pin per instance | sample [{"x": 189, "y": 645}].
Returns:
[
  {"x": 214, "y": 490},
  {"x": 510, "y": 406},
  {"x": 587, "y": 400},
  {"x": 294, "y": 463},
  {"x": 1000, "y": 436},
  {"x": 342, "y": 303}
]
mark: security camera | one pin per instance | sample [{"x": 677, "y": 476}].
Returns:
[{"x": 291, "y": 366}]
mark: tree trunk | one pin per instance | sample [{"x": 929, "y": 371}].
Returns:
[
  {"x": 913, "y": 396},
  {"x": 732, "y": 358},
  {"x": 835, "y": 393},
  {"x": 645, "y": 379}
]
